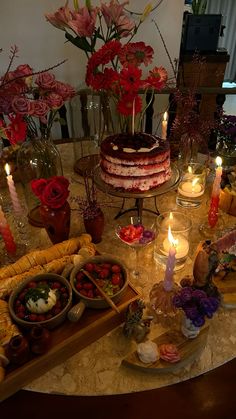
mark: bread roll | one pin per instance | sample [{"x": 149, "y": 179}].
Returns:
[
  {"x": 7, "y": 328},
  {"x": 42, "y": 257}
]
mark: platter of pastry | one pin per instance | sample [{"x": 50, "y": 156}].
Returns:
[
  {"x": 179, "y": 350},
  {"x": 67, "y": 338}
]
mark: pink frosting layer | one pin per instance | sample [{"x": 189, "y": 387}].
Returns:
[{"x": 141, "y": 184}]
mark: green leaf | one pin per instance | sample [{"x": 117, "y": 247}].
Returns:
[{"x": 80, "y": 42}]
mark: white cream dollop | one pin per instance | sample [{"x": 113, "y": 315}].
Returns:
[
  {"x": 42, "y": 305},
  {"x": 148, "y": 352}
]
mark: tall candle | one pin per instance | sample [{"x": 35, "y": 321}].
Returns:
[
  {"x": 215, "y": 196},
  {"x": 6, "y": 233},
  {"x": 170, "y": 264},
  {"x": 14, "y": 197},
  {"x": 164, "y": 126}
]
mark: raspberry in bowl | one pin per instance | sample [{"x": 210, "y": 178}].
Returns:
[
  {"x": 110, "y": 274},
  {"x": 44, "y": 300}
]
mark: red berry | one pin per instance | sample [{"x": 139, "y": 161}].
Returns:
[
  {"x": 89, "y": 267},
  {"x": 90, "y": 294},
  {"x": 32, "y": 284},
  {"x": 33, "y": 317},
  {"x": 21, "y": 296},
  {"x": 116, "y": 269},
  {"x": 41, "y": 318},
  {"x": 83, "y": 292},
  {"x": 104, "y": 273},
  {"x": 56, "y": 285},
  {"x": 78, "y": 286},
  {"x": 97, "y": 268},
  {"x": 116, "y": 279},
  {"x": 106, "y": 265},
  {"x": 79, "y": 276},
  {"x": 88, "y": 286},
  {"x": 20, "y": 315}
]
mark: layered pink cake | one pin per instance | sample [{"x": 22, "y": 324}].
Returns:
[{"x": 135, "y": 162}]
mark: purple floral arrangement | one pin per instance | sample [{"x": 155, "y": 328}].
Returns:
[
  {"x": 196, "y": 304},
  {"x": 227, "y": 128}
]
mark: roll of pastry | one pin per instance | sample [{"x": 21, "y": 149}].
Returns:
[
  {"x": 56, "y": 266},
  {"x": 42, "y": 257},
  {"x": 7, "y": 328}
]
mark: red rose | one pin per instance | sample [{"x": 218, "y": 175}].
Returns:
[
  {"x": 56, "y": 192},
  {"x": 38, "y": 186},
  {"x": 23, "y": 70}
]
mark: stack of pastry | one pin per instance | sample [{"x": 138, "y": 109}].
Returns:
[
  {"x": 7, "y": 330},
  {"x": 52, "y": 259}
]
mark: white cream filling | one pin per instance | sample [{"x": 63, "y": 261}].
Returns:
[{"x": 41, "y": 305}]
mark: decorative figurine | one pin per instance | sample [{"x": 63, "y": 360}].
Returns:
[{"x": 135, "y": 326}]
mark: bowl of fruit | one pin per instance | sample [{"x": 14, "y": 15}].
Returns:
[
  {"x": 107, "y": 272},
  {"x": 44, "y": 300}
]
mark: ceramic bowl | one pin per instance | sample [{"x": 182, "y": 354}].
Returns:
[
  {"x": 99, "y": 302},
  {"x": 56, "y": 319}
]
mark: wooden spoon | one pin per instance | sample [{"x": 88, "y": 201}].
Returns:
[{"x": 103, "y": 293}]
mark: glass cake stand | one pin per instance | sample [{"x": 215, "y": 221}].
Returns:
[{"x": 138, "y": 196}]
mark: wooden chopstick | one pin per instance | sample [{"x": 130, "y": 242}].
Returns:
[{"x": 106, "y": 297}]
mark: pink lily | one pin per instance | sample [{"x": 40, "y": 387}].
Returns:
[
  {"x": 113, "y": 11},
  {"x": 83, "y": 22},
  {"x": 60, "y": 18}
]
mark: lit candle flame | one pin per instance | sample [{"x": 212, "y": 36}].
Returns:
[
  {"x": 7, "y": 169},
  {"x": 171, "y": 216},
  {"x": 173, "y": 242},
  {"x": 218, "y": 161},
  {"x": 165, "y": 116},
  {"x": 190, "y": 170}
]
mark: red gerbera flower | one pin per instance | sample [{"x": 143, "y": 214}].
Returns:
[
  {"x": 16, "y": 130},
  {"x": 136, "y": 53},
  {"x": 130, "y": 78},
  {"x": 128, "y": 102},
  {"x": 157, "y": 78}
]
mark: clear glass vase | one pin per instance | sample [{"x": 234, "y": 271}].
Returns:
[
  {"x": 37, "y": 158},
  {"x": 192, "y": 149}
]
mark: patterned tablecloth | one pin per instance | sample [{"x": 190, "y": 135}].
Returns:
[{"x": 97, "y": 369}]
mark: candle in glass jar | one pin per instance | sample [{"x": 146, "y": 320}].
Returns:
[
  {"x": 191, "y": 188},
  {"x": 164, "y": 126},
  {"x": 181, "y": 246},
  {"x": 13, "y": 194}
]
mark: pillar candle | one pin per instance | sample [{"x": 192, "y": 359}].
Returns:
[
  {"x": 215, "y": 196},
  {"x": 164, "y": 126},
  {"x": 170, "y": 264},
  {"x": 6, "y": 233},
  {"x": 14, "y": 197}
]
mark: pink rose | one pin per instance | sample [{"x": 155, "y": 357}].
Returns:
[
  {"x": 64, "y": 90},
  {"x": 40, "y": 108},
  {"x": 21, "y": 105},
  {"x": 23, "y": 70},
  {"x": 46, "y": 81},
  {"x": 54, "y": 101}
]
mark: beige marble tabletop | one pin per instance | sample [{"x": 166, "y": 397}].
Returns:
[{"x": 97, "y": 369}]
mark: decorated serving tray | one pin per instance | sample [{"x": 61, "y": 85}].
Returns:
[{"x": 67, "y": 339}]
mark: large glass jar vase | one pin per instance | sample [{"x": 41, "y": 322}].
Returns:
[{"x": 37, "y": 158}]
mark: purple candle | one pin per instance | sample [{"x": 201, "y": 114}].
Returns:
[{"x": 170, "y": 264}]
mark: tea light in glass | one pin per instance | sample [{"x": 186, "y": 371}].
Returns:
[
  {"x": 191, "y": 186},
  {"x": 180, "y": 228}
]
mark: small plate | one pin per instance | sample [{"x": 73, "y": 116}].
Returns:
[{"x": 189, "y": 350}]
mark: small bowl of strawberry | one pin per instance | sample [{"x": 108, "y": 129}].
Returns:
[
  {"x": 44, "y": 300},
  {"x": 109, "y": 273}
]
